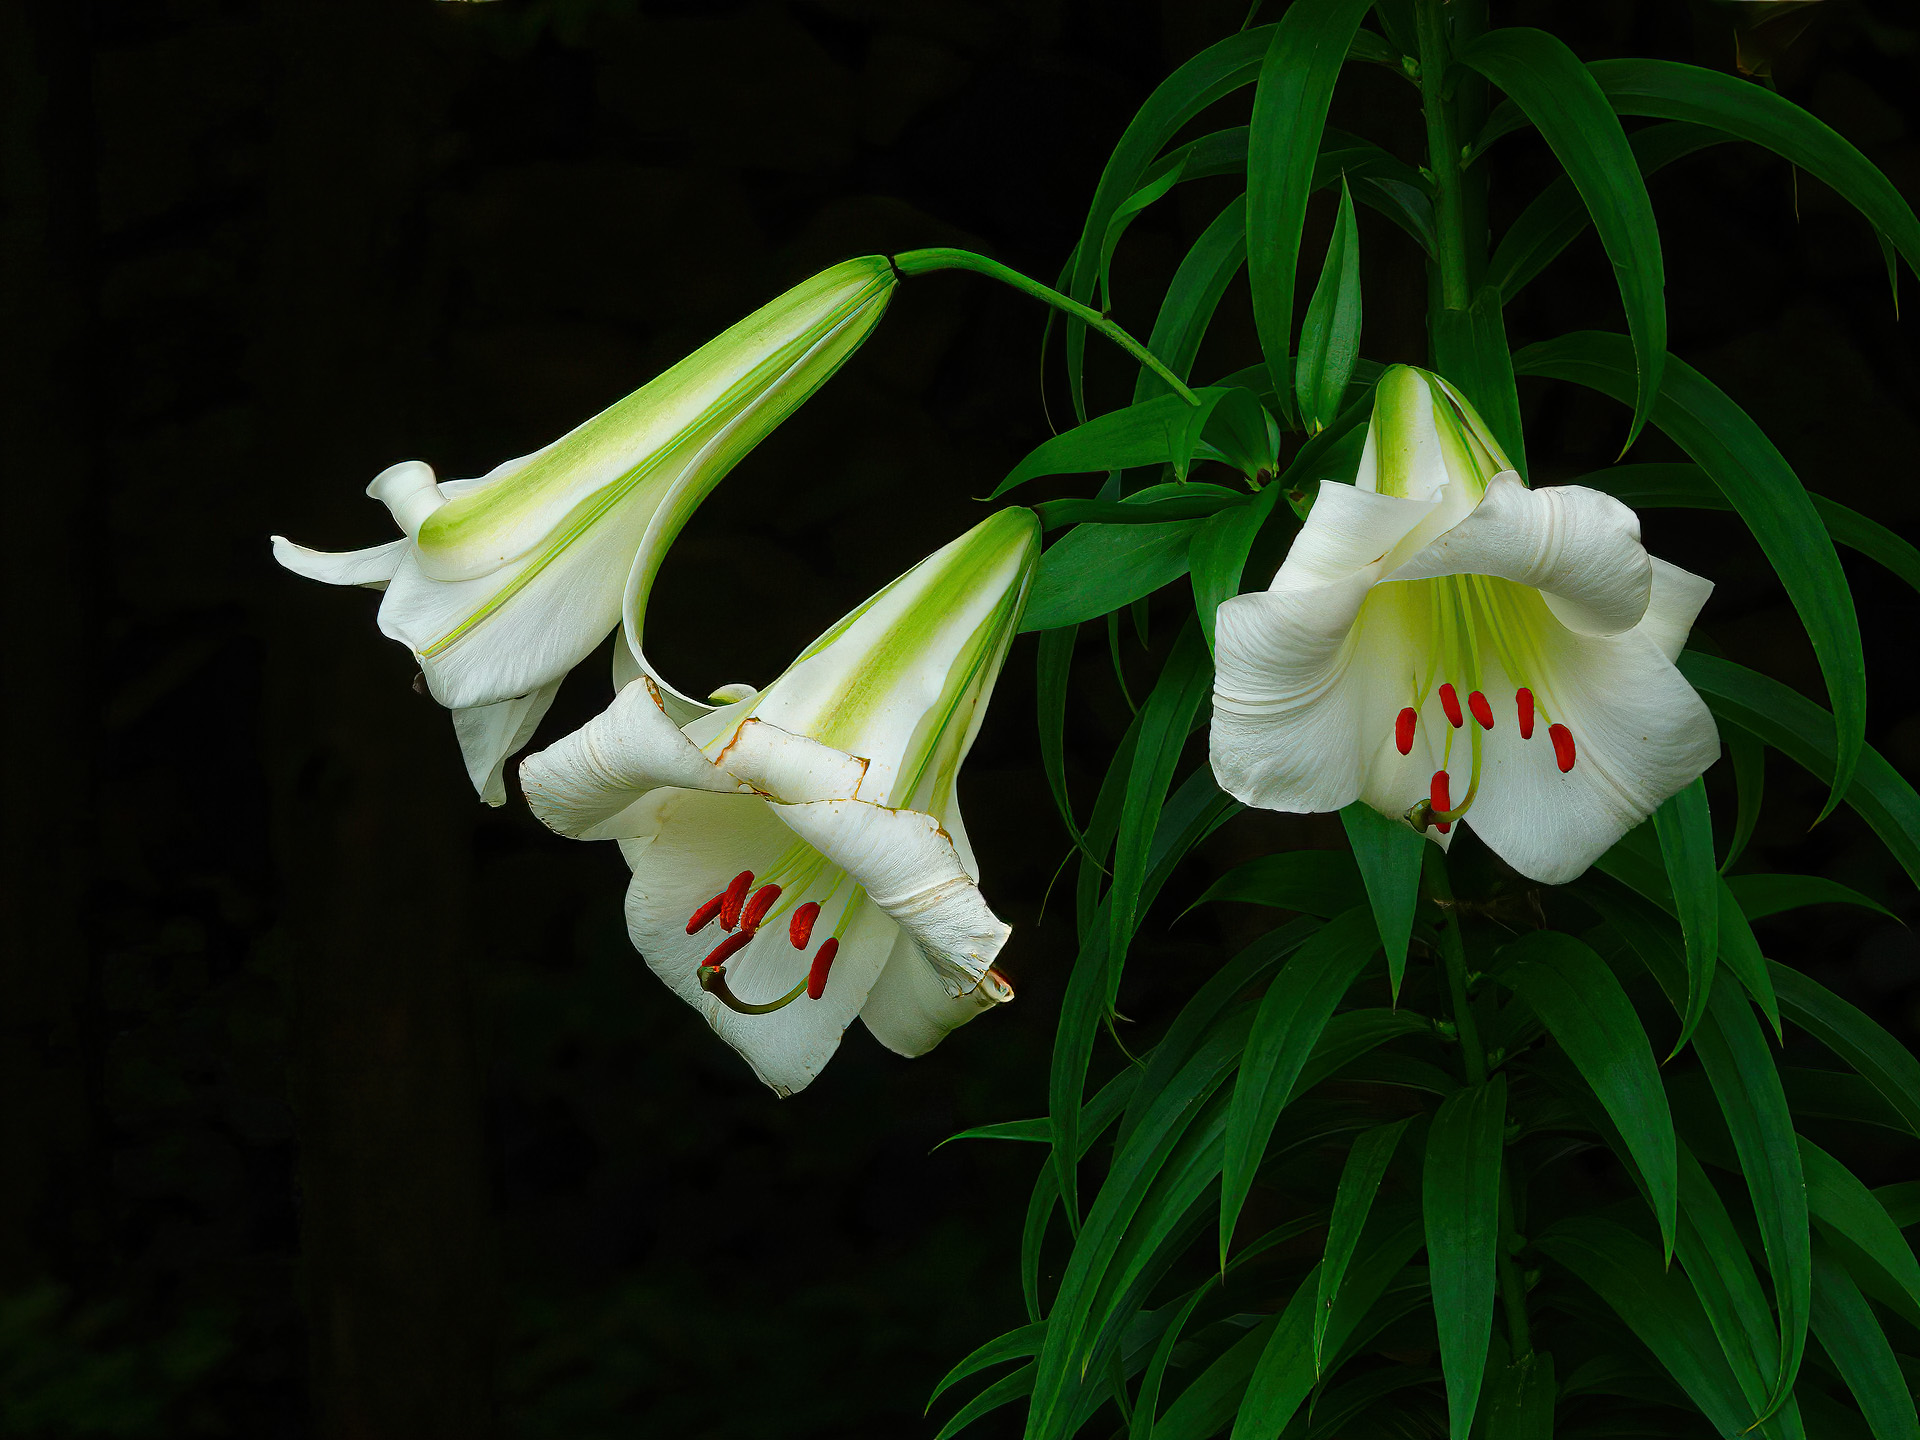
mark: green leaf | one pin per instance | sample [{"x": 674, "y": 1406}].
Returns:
[
  {"x": 1002, "y": 1392},
  {"x": 1555, "y": 217},
  {"x": 1749, "y": 758},
  {"x": 1762, "y": 895},
  {"x": 1520, "y": 1405},
  {"x": 1668, "y": 90},
  {"x": 1388, "y": 855},
  {"x": 1838, "y": 1198},
  {"x": 1297, "y": 74},
  {"x": 1217, "y": 554},
  {"x": 1722, "y": 1276},
  {"x": 1685, "y": 829},
  {"x": 1657, "y": 1305},
  {"x": 1314, "y": 882},
  {"x": 1040, "y": 1129},
  {"x": 1285, "y": 1373},
  {"x": 1470, "y": 349},
  {"x": 1754, "y": 476},
  {"x": 1352, "y": 1201},
  {"x": 1148, "y": 1400},
  {"x": 1205, "y": 1406},
  {"x": 1095, "y": 569},
  {"x": 1053, "y": 666},
  {"x": 1580, "y": 1002},
  {"x": 1192, "y": 296},
  {"x": 1021, "y": 1344},
  {"x": 1547, "y": 81},
  {"x": 1289, "y": 1023},
  {"x": 1090, "y": 1125},
  {"x": 1802, "y": 731},
  {"x": 1330, "y": 333},
  {"x": 1198, "y": 503},
  {"x": 1853, "y": 1338},
  {"x": 1849, "y": 1034},
  {"x": 1461, "y": 1190},
  {"x": 1141, "y": 434}
]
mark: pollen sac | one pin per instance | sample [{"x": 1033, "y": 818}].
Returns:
[
  {"x": 756, "y": 909},
  {"x": 800, "y": 927},
  {"x": 1403, "y": 730},
  {"x": 1482, "y": 711},
  {"x": 1440, "y": 796},
  {"x": 822, "y": 963},
  {"x": 726, "y": 950},
  {"x": 1563, "y": 751},
  {"x": 1450, "y": 702},
  {"x": 734, "y": 898},
  {"x": 1523, "y": 701},
  {"x": 703, "y": 917}
]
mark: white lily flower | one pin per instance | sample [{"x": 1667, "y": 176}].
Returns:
[
  {"x": 503, "y": 584},
  {"x": 798, "y": 856},
  {"x": 1447, "y": 644}
]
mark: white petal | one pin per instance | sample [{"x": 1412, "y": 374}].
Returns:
[
  {"x": 583, "y": 781},
  {"x": 790, "y": 767},
  {"x": 409, "y": 492},
  {"x": 1579, "y": 546},
  {"x": 692, "y": 845},
  {"x": 1678, "y": 596},
  {"x": 372, "y": 567},
  {"x": 909, "y": 1011},
  {"x": 1640, "y": 733},
  {"x": 488, "y": 734},
  {"x": 909, "y": 868},
  {"x": 1347, "y": 530}
]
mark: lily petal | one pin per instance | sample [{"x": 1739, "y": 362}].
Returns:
[
  {"x": 790, "y": 767},
  {"x": 1580, "y": 547},
  {"x": 909, "y": 1011},
  {"x": 1677, "y": 599},
  {"x": 909, "y": 868},
  {"x": 488, "y": 734},
  {"x": 584, "y": 780},
  {"x": 372, "y": 568}
]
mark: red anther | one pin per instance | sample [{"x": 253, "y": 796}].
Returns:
[
  {"x": 1482, "y": 711},
  {"x": 1450, "y": 702},
  {"x": 1403, "y": 730},
  {"x": 800, "y": 927},
  {"x": 1562, "y": 746},
  {"x": 735, "y": 897},
  {"x": 727, "y": 949},
  {"x": 1441, "y": 798},
  {"x": 822, "y": 963},
  {"x": 756, "y": 908},
  {"x": 703, "y": 917},
  {"x": 1523, "y": 697}
]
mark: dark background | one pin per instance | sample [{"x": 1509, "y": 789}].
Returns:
[{"x": 332, "y": 1103}]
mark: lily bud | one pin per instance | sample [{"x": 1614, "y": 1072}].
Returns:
[{"x": 503, "y": 584}]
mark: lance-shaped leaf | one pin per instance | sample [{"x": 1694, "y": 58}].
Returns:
[
  {"x": 1759, "y": 896},
  {"x": 1297, "y": 73},
  {"x": 1749, "y": 759},
  {"x": 1520, "y": 1403},
  {"x": 1352, "y": 1202},
  {"x": 1762, "y": 487},
  {"x": 1840, "y": 1201},
  {"x": 1577, "y": 998},
  {"x": 1096, "y": 569},
  {"x": 1314, "y": 882},
  {"x": 1801, "y": 730},
  {"x": 1389, "y": 858},
  {"x": 1192, "y": 296},
  {"x": 1141, "y": 434},
  {"x": 1217, "y": 554},
  {"x": 1860, "y": 1351},
  {"x": 1547, "y": 81},
  {"x": 1291, "y": 1017},
  {"x": 1685, "y": 830},
  {"x": 1330, "y": 333},
  {"x": 1461, "y": 1192},
  {"x": 1723, "y": 1277}
]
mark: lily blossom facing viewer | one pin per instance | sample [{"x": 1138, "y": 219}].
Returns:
[
  {"x": 798, "y": 856},
  {"x": 1449, "y": 645},
  {"x": 501, "y": 585}
]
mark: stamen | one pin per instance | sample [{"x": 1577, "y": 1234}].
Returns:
[
  {"x": 822, "y": 963},
  {"x": 756, "y": 908},
  {"x": 1523, "y": 698},
  {"x": 1450, "y": 702},
  {"x": 735, "y": 897},
  {"x": 1562, "y": 746},
  {"x": 703, "y": 917},
  {"x": 1482, "y": 711},
  {"x": 800, "y": 927},
  {"x": 1441, "y": 798},
  {"x": 727, "y": 949},
  {"x": 1403, "y": 730}
]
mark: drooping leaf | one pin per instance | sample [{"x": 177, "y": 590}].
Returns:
[
  {"x": 1838, "y": 1199},
  {"x": 1020, "y": 1344},
  {"x": 1749, "y": 759},
  {"x": 1520, "y": 1401},
  {"x": 1860, "y": 1351},
  {"x": 1053, "y": 664},
  {"x": 1002, "y": 1392},
  {"x": 1685, "y": 831},
  {"x": 1461, "y": 1192},
  {"x": 1852, "y": 1036},
  {"x": 1147, "y": 1401},
  {"x": 1192, "y": 296},
  {"x": 1580, "y": 1002},
  {"x": 1297, "y": 1006},
  {"x": 1388, "y": 855},
  {"x": 1762, "y": 895},
  {"x": 1302, "y": 60},
  {"x": 1352, "y": 1202},
  {"x": 1217, "y": 554},
  {"x": 1197, "y": 503},
  {"x": 1096, "y": 569},
  {"x": 1558, "y": 94},
  {"x": 1314, "y": 882},
  {"x": 1743, "y": 463},
  {"x": 1140, "y": 434},
  {"x": 1330, "y": 331}
]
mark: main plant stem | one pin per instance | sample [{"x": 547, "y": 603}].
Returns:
[
  {"x": 1443, "y": 157},
  {"x": 919, "y": 262},
  {"x": 1453, "y": 959}
]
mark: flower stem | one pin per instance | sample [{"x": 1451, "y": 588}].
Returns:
[
  {"x": 1443, "y": 156},
  {"x": 1453, "y": 958},
  {"x": 919, "y": 262}
]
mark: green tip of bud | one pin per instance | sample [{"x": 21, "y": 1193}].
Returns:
[{"x": 1425, "y": 434}]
